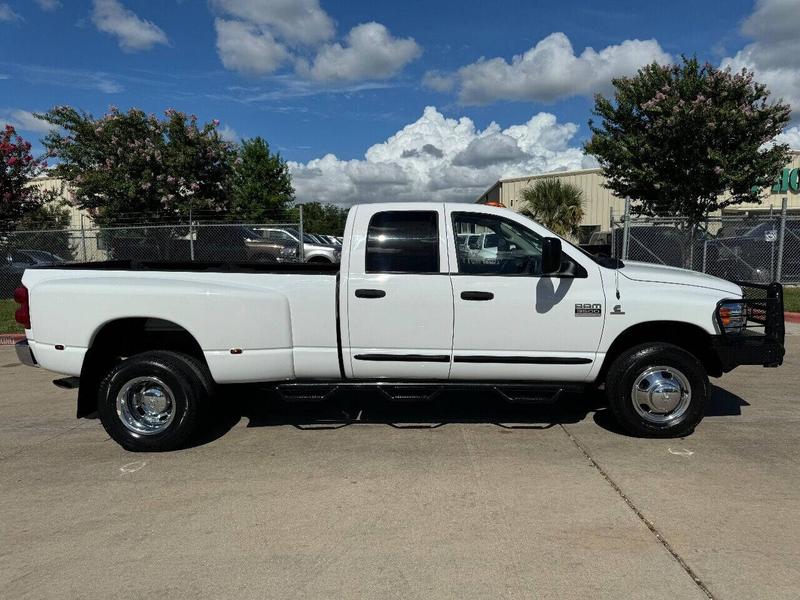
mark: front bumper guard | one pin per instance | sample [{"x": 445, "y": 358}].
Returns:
[{"x": 762, "y": 340}]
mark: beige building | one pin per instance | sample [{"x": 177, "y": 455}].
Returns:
[
  {"x": 61, "y": 187},
  {"x": 598, "y": 201}
]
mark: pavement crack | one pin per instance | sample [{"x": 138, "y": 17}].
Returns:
[{"x": 647, "y": 523}]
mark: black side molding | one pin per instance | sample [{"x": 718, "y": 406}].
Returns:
[
  {"x": 404, "y": 357},
  {"x": 526, "y": 360}
]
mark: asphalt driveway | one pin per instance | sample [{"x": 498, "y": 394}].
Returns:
[{"x": 463, "y": 498}]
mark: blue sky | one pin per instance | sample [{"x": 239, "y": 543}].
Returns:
[{"x": 324, "y": 82}]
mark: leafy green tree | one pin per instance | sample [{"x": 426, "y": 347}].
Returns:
[
  {"x": 688, "y": 139},
  {"x": 262, "y": 186},
  {"x": 328, "y": 219},
  {"x": 554, "y": 203},
  {"x": 132, "y": 164}
]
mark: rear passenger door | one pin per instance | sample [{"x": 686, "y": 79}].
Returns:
[{"x": 399, "y": 296}]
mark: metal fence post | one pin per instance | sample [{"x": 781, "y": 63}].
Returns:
[
  {"x": 191, "y": 234},
  {"x": 301, "y": 248},
  {"x": 626, "y": 229},
  {"x": 705, "y": 254},
  {"x": 83, "y": 239},
  {"x": 781, "y": 236},
  {"x": 613, "y": 233}
]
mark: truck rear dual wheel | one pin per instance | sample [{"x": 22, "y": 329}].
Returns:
[
  {"x": 154, "y": 401},
  {"x": 657, "y": 390}
]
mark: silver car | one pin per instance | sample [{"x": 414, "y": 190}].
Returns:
[{"x": 314, "y": 251}]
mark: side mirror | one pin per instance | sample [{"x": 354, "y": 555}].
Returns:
[{"x": 551, "y": 255}]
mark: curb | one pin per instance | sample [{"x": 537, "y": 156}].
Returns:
[
  {"x": 791, "y": 317},
  {"x": 9, "y": 339}
]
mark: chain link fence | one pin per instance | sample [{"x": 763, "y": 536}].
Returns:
[
  {"x": 229, "y": 242},
  {"x": 755, "y": 247}
]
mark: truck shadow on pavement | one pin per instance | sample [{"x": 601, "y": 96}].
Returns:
[
  {"x": 264, "y": 408},
  {"x": 721, "y": 403}
]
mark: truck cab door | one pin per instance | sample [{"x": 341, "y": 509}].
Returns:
[
  {"x": 512, "y": 322},
  {"x": 399, "y": 300}
]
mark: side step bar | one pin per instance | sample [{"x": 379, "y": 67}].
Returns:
[{"x": 520, "y": 392}]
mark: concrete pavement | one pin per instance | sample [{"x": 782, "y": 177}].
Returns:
[{"x": 463, "y": 498}]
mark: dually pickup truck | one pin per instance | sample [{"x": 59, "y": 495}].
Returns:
[{"x": 409, "y": 310}]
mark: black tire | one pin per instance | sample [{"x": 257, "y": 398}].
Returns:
[
  {"x": 189, "y": 386},
  {"x": 636, "y": 363}
]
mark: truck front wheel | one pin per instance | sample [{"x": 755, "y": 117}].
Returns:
[
  {"x": 657, "y": 390},
  {"x": 154, "y": 401}
]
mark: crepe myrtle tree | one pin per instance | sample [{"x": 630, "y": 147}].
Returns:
[
  {"x": 688, "y": 139},
  {"x": 31, "y": 215},
  {"x": 127, "y": 164},
  {"x": 23, "y": 204}
]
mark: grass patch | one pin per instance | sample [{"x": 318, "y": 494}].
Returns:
[
  {"x": 791, "y": 299},
  {"x": 7, "y": 322}
]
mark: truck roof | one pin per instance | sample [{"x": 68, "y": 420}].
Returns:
[{"x": 427, "y": 205}]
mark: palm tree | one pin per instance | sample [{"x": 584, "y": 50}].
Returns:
[{"x": 555, "y": 204}]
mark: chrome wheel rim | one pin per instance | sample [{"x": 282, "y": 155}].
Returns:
[
  {"x": 661, "y": 395},
  {"x": 146, "y": 405}
]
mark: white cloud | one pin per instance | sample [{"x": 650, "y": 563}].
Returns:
[
  {"x": 773, "y": 26},
  {"x": 436, "y": 158},
  {"x": 24, "y": 120},
  {"x": 7, "y": 14},
  {"x": 133, "y": 33},
  {"x": 257, "y": 37},
  {"x": 247, "y": 49},
  {"x": 73, "y": 78},
  {"x": 790, "y": 136},
  {"x": 439, "y": 82},
  {"x": 49, "y": 4},
  {"x": 551, "y": 70},
  {"x": 228, "y": 133},
  {"x": 301, "y": 21},
  {"x": 370, "y": 52}
]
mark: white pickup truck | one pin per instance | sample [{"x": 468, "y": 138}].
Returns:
[{"x": 408, "y": 310}]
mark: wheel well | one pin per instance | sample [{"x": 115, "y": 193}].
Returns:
[
  {"x": 125, "y": 337},
  {"x": 684, "y": 335}
]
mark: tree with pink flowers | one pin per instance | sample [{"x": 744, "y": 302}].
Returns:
[
  {"x": 689, "y": 139},
  {"x": 129, "y": 165},
  {"x": 22, "y": 204}
]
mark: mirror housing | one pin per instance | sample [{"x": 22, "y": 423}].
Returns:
[{"x": 551, "y": 255}]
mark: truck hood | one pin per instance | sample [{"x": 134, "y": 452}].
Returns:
[{"x": 640, "y": 271}]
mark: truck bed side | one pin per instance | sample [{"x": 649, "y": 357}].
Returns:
[{"x": 250, "y": 326}]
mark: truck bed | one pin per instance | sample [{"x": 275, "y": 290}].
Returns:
[{"x": 252, "y": 321}]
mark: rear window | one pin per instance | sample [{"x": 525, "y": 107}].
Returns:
[{"x": 403, "y": 242}]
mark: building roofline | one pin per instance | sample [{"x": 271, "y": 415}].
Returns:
[
  {"x": 503, "y": 180},
  {"x": 549, "y": 174}
]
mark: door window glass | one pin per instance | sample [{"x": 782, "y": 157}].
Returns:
[
  {"x": 403, "y": 242},
  {"x": 507, "y": 247}
]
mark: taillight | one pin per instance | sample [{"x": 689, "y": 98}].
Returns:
[{"x": 23, "y": 313}]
